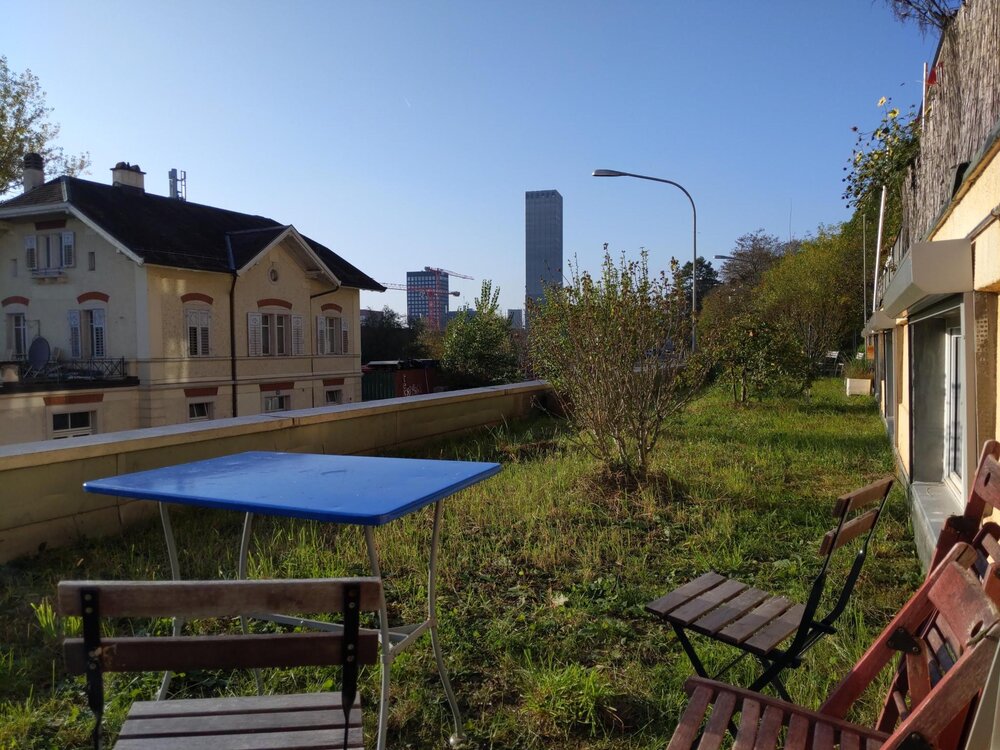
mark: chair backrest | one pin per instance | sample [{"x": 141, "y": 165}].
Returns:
[
  {"x": 857, "y": 514},
  {"x": 94, "y": 654},
  {"x": 984, "y": 497},
  {"x": 947, "y": 636}
]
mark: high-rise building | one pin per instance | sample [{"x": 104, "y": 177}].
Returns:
[
  {"x": 543, "y": 241},
  {"x": 427, "y": 297}
]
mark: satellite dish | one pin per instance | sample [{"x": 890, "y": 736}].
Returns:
[{"x": 38, "y": 353}]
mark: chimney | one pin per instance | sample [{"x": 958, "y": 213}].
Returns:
[
  {"x": 128, "y": 175},
  {"x": 34, "y": 171}
]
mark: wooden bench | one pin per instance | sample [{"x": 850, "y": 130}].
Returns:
[
  {"x": 774, "y": 629},
  {"x": 311, "y": 720},
  {"x": 946, "y": 637}
]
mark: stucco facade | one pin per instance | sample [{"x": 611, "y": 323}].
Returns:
[{"x": 195, "y": 344}]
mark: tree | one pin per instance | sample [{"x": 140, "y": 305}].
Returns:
[
  {"x": 478, "y": 348},
  {"x": 707, "y": 279},
  {"x": 383, "y": 336},
  {"x": 25, "y": 128},
  {"x": 615, "y": 350},
  {"x": 927, "y": 14},
  {"x": 753, "y": 254},
  {"x": 814, "y": 294}
]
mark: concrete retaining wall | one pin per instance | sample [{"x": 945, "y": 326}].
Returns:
[{"x": 42, "y": 503}]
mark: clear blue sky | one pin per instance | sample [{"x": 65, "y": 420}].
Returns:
[{"x": 404, "y": 134}]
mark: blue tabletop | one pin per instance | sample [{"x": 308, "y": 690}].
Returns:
[{"x": 362, "y": 490}]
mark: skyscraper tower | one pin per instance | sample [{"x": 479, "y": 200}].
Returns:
[
  {"x": 427, "y": 297},
  {"x": 543, "y": 241}
]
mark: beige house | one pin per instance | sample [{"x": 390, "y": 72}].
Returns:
[
  {"x": 936, "y": 318},
  {"x": 124, "y": 309}
]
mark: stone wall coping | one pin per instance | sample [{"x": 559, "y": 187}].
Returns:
[{"x": 22, "y": 455}]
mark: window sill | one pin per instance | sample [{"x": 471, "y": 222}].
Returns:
[{"x": 931, "y": 503}]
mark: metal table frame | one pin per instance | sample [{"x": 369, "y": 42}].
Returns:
[{"x": 393, "y": 640}]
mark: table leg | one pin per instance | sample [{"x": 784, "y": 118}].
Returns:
[
  {"x": 384, "y": 641},
  {"x": 457, "y": 738},
  {"x": 242, "y": 575},
  {"x": 175, "y": 574}
]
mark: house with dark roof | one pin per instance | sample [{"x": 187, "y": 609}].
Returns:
[{"x": 125, "y": 309}]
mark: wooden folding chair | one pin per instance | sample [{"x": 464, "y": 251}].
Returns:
[
  {"x": 772, "y": 628},
  {"x": 946, "y": 636},
  {"x": 311, "y": 720}
]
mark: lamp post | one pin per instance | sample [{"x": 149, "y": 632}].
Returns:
[{"x": 694, "y": 237}]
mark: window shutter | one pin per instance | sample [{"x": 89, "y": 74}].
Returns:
[
  {"x": 253, "y": 335},
  {"x": 68, "y": 249},
  {"x": 205, "y": 323},
  {"x": 298, "y": 343},
  {"x": 320, "y": 334},
  {"x": 100, "y": 349},
  {"x": 75, "y": 348},
  {"x": 30, "y": 252},
  {"x": 191, "y": 325},
  {"x": 345, "y": 349}
]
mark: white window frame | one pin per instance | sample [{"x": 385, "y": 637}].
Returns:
[
  {"x": 88, "y": 333},
  {"x": 17, "y": 333},
  {"x": 197, "y": 331},
  {"x": 954, "y": 408},
  {"x": 69, "y": 431},
  {"x": 338, "y": 396},
  {"x": 332, "y": 335},
  {"x": 275, "y": 334},
  {"x": 208, "y": 407},
  {"x": 48, "y": 254},
  {"x": 275, "y": 402}
]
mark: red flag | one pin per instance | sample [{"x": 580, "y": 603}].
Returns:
[{"x": 932, "y": 76}]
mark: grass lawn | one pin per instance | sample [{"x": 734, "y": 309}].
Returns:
[{"x": 544, "y": 573}]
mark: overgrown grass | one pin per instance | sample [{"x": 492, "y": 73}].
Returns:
[{"x": 543, "y": 577}]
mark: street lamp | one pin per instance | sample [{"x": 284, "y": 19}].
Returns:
[{"x": 694, "y": 237}]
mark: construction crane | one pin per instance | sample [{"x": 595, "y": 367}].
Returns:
[
  {"x": 446, "y": 272},
  {"x": 431, "y": 294}
]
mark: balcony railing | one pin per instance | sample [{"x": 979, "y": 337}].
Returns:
[{"x": 73, "y": 370}]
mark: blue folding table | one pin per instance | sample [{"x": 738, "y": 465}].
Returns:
[{"x": 357, "y": 490}]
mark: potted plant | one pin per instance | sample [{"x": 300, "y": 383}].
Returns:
[{"x": 858, "y": 374}]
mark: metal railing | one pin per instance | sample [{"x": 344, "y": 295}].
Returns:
[{"x": 76, "y": 369}]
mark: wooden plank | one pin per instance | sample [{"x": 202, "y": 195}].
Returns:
[
  {"x": 683, "y": 594},
  {"x": 706, "y": 602},
  {"x": 321, "y": 740},
  {"x": 249, "y": 723},
  {"x": 961, "y": 603},
  {"x": 918, "y": 677},
  {"x": 770, "y": 727},
  {"x": 216, "y": 598},
  {"x": 236, "y": 705},
  {"x": 218, "y": 652},
  {"x": 690, "y": 722},
  {"x": 986, "y": 484},
  {"x": 743, "y": 628},
  {"x": 986, "y": 540},
  {"x": 798, "y": 733},
  {"x": 943, "y": 657},
  {"x": 849, "y": 741},
  {"x": 867, "y": 495},
  {"x": 746, "y": 735},
  {"x": 718, "y": 722},
  {"x": 728, "y": 611},
  {"x": 765, "y": 639},
  {"x": 849, "y": 531}
]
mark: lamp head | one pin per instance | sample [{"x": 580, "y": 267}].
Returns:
[{"x": 607, "y": 173}]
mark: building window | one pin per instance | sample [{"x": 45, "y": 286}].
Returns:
[
  {"x": 91, "y": 261},
  {"x": 200, "y": 411},
  {"x": 48, "y": 254},
  {"x": 72, "y": 424},
  {"x": 334, "y": 396},
  {"x": 17, "y": 335},
  {"x": 276, "y": 403},
  {"x": 198, "y": 322},
  {"x": 88, "y": 334},
  {"x": 274, "y": 334},
  {"x": 331, "y": 335}
]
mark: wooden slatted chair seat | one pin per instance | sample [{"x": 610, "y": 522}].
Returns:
[
  {"x": 265, "y": 722},
  {"x": 772, "y": 627},
  {"x": 946, "y": 636}
]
